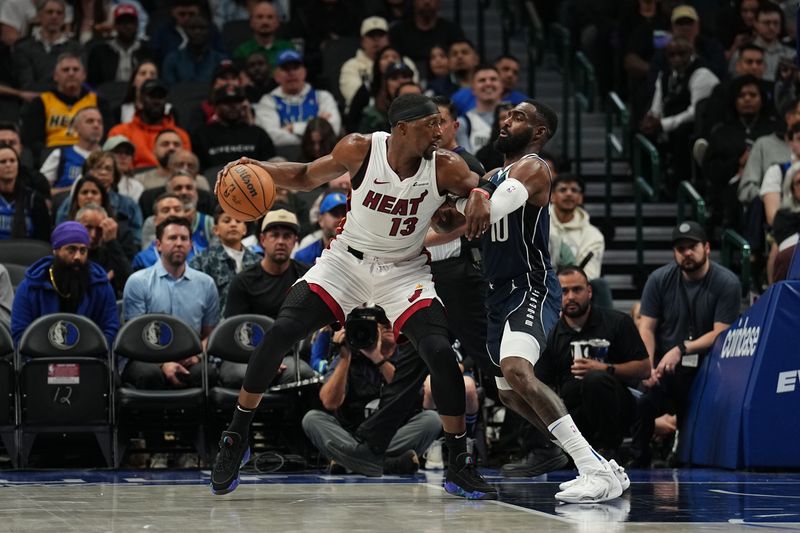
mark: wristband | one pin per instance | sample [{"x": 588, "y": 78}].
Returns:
[
  {"x": 486, "y": 185},
  {"x": 611, "y": 369},
  {"x": 682, "y": 347},
  {"x": 482, "y": 191}
]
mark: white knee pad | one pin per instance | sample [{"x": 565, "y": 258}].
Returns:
[{"x": 519, "y": 344}]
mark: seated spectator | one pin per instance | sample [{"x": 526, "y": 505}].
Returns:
[
  {"x": 476, "y": 130},
  {"x": 439, "y": 80},
  {"x": 226, "y": 74},
  {"x": 196, "y": 60},
  {"x": 172, "y": 34},
  {"x": 9, "y": 136},
  {"x": 779, "y": 176},
  {"x": 166, "y": 205},
  {"x": 261, "y": 289},
  {"x": 150, "y": 120},
  {"x": 318, "y": 140},
  {"x": 66, "y": 282},
  {"x": 375, "y": 117},
  {"x": 185, "y": 161},
  {"x": 463, "y": 60},
  {"x": 353, "y": 382},
  {"x": 265, "y": 23},
  {"x": 736, "y": 25},
  {"x": 685, "y": 306},
  {"x": 331, "y": 212},
  {"x": 375, "y": 92},
  {"x": 678, "y": 88},
  {"x": 595, "y": 382},
  {"x": 786, "y": 222},
  {"x": 104, "y": 248},
  {"x": 226, "y": 257},
  {"x": 569, "y": 224},
  {"x": 768, "y": 150},
  {"x": 95, "y": 187},
  {"x": 167, "y": 143},
  {"x": 417, "y": 34},
  {"x": 23, "y": 211},
  {"x": 195, "y": 190},
  {"x": 223, "y": 12},
  {"x": 508, "y": 68},
  {"x": 357, "y": 71},
  {"x": 285, "y": 111},
  {"x": 6, "y": 296},
  {"x": 45, "y": 123},
  {"x": 116, "y": 59},
  {"x": 258, "y": 79},
  {"x": 171, "y": 286},
  {"x": 146, "y": 70},
  {"x": 184, "y": 187},
  {"x": 230, "y": 135},
  {"x": 64, "y": 165},
  {"x": 122, "y": 149},
  {"x": 728, "y": 143},
  {"x": 768, "y": 28},
  {"x": 36, "y": 57}
]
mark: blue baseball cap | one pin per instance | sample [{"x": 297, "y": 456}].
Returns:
[
  {"x": 289, "y": 56},
  {"x": 332, "y": 201}
]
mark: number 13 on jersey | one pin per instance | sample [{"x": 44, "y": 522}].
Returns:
[{"x": 408, "y": 226}]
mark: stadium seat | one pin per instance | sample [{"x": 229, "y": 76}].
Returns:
[
  {"x": 8, "y": 402},
  {"x": 114, "y": 93},
  {"x": 186, "y": 99},
  {"x": 234, "y": 33},
  {"x": 23, "y": 251},
  {"x": 159, "y": 338},
  {"x": 16, "y": 273},
  {"x": 65, "y": 383},
  {"x": 335, "y": 52}
]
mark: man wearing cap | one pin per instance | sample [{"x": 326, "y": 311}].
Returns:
[
  {"x": 264, "y": 21},
  {"x": 66, "y": 282},
  {"x": 230, "y": 135},
  {"x": 149, "y": 121},
  {"x": 197, "y": 60},
  {"x": 261, "y": 288},
  {"x": 117, "y": 58},
  {"x": 226, "y": 73},
  {"x": 332, "y": 210},
  {"x": 357, "y": 70},
  {"x": 285, "y": 111},
  {"x": 122, "y": 149},
  {"x": 685, "y": 306}
]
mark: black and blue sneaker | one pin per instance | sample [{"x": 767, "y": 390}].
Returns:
[
  {"x": 234, "y": 452},
  {"x": 463, "y": 479}
]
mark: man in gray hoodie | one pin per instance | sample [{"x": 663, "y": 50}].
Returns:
[{"x": 569, "y": 224}]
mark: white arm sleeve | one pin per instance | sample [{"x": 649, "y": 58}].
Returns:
[{"x": 509, "y": 196}]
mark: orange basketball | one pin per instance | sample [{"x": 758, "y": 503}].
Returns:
[{"x": 246, "y": 192}]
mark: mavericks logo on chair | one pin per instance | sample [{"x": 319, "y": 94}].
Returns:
[
  {"x": 63, "y": 335},
  {"x": 248, "y": 335},
  {"x": 157, "y": 335}
]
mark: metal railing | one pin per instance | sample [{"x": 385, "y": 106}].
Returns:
[
  {"x": 482, "y": 6},
  {"x": 585, "y": 88},
  {"x": 732, "y": 241},
  {"x": 643, "y": 191},
  {"x": 535, "y": 43},
  {"x": 562, "y": 45},
  {"x": 687, "y": 193},
  {"x": 616, "y": 145}
]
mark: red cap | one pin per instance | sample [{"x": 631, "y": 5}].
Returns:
[{"x": 125, "y": 10}]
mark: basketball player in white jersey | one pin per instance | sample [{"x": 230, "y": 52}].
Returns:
[
  {"x": 524, "y": 297},
  {"x": 399, "y": 182}
]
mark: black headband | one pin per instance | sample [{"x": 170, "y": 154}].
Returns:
[{"x": 423, "y": 109}]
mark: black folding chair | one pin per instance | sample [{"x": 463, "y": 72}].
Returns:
[
  {"x": 159, "y": 338},
  {"x": 23, "y": 251},
  {"x": 8, "y": 395},
  {"x": 65, "y": 383}
]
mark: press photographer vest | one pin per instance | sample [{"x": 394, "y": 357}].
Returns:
[{"x": 58, "y": 116}]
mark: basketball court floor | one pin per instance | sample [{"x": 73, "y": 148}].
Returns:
[{"x": 177, "y": 501}]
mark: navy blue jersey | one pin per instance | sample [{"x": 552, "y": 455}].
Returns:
[{"x": 518, "y": 243}]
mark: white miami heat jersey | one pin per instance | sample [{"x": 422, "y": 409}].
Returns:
[{"x": 389, "y": 217}]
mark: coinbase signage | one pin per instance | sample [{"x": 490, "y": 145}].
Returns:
[{"x": 744, "y": 405}]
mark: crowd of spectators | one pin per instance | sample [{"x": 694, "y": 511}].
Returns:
[{"x": 120, "y": 117}]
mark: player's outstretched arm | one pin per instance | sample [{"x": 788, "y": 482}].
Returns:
[
  {"x": 455, "y": 177},
  {"x": 346, "y": 156}
]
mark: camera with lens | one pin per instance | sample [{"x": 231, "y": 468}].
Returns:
[{"x": 361, "y": 327}]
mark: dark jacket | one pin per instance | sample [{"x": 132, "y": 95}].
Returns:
[
  {"x": 104, "y": 60},
  {"x": 36, "y": 297}
]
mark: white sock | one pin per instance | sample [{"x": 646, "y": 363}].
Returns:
[{"x": 585, "y": 458}]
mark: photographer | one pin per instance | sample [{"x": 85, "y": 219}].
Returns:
[{"x": 361, "y": 366}]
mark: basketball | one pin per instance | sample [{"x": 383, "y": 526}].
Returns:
[{"x": 246, "y": 192}]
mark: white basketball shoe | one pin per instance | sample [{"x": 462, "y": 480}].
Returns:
[
  {"x": 622, "y": 476},
  {"x": 594, "y": 487}
]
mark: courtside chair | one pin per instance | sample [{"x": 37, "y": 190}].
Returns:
[
  {"x": 65, "y": 383},
  {"x": 159, "y": 338},
  {"x": 8, "y": 395}
]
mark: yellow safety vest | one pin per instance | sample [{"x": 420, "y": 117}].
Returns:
[{"x": 58, "y": 116}]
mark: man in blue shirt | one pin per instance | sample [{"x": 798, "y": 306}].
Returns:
[
  {"x": 332, "y": 210},
  {"x": 172, "y": 287}
]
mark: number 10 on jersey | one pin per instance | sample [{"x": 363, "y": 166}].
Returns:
[{"x": 499, "y": 230}]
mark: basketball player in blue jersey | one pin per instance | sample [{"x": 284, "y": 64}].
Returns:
[
  {"x": 524, "y": 297},
  {"x": 399, "y": 182}
]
